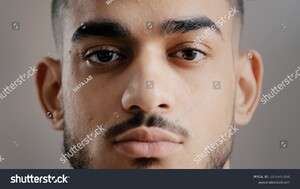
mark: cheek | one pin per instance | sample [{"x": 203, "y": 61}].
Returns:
[
  {"x": 94, "y": 103},
  {"x": 212, "y": 109},
  {"x": 213, "y": 101}
]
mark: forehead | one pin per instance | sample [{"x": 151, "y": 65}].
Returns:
[{"x": 136, "y": 13}]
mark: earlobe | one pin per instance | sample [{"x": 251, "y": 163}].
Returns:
[
  {"x": 58, "y": 120},
  {"x": 249, "y": 83},
  {"x": 48, "y": 83}
]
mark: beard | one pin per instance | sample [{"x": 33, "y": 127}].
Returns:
[
  {"x": 82, "y": 159},
  {"x": 79, "y": 159},
  {"x": 218, "y": 157}
]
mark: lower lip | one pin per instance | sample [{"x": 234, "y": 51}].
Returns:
[{"x": 147, "y": 149}]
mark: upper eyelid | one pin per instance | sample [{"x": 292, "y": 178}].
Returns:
[
  {"x": 105, "y": 47},
  {"x": 188, "y": 48},
  {"x": 120, "y": 56},
  {"x": 92, "y": 50},
  {"x": 188, "y": 45},
  {"x": 89, "y": 55},
  {"x": 95, "y": 51},
  {"x": 194, "y": 49}
]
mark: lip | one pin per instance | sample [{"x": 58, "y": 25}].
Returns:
[{"x": 147, "y": 142}]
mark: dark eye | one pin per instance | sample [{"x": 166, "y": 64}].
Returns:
[
  {"x": 189, "y": 54},
  {"x": 104, "y": 56}
]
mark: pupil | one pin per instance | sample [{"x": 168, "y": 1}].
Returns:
[
  {"x": 105, "y": 56},
  {"x": 189, "y": 54}
]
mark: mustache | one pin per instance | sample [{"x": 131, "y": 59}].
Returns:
[{"x": 139, "y": 120}]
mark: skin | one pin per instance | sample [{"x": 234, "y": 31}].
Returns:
[{"x": 181, "y": 87}]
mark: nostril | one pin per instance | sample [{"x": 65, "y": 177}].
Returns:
[
  {"x": 134, "y": 108},
  {"x": 163, "y": 106}
]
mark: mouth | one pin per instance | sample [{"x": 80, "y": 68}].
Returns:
[{"x": 147, "y": 142}]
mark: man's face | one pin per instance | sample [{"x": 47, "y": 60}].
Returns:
[{"x": 160, "y": 98}]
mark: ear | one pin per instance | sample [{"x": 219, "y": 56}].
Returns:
[
  {"x": 249, "y": 71},
  {"x": 48, "y": 83}
]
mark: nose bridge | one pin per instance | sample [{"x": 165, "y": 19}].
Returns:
[
  {"x": 148, "y": 88},
  {"x": 149, "y": 63}
]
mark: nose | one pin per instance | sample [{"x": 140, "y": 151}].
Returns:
[{"x": 150, "y": 84}]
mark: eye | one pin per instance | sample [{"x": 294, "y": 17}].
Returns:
[
  {"x": 189, "y": 54},
  {"x": 104, "y": 56}
]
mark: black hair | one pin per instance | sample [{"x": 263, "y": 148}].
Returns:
[
  {"x": 239, "y": 4},
  {"x": 59, "y": 9}
]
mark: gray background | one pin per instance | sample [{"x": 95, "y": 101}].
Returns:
[{"x": 271, "y": 26}]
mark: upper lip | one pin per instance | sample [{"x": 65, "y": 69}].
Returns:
[{"x": 146, "y": 134}]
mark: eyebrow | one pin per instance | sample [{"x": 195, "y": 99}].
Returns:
[
  {"x": 100, "y": 28},
  {"x": 115, "y": 29},
  {"x": 174, "y": 26}
]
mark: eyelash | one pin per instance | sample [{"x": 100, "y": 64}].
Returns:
[
  {"x": 117, "y": 56},
  {"x": 188, "y": 48}
]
